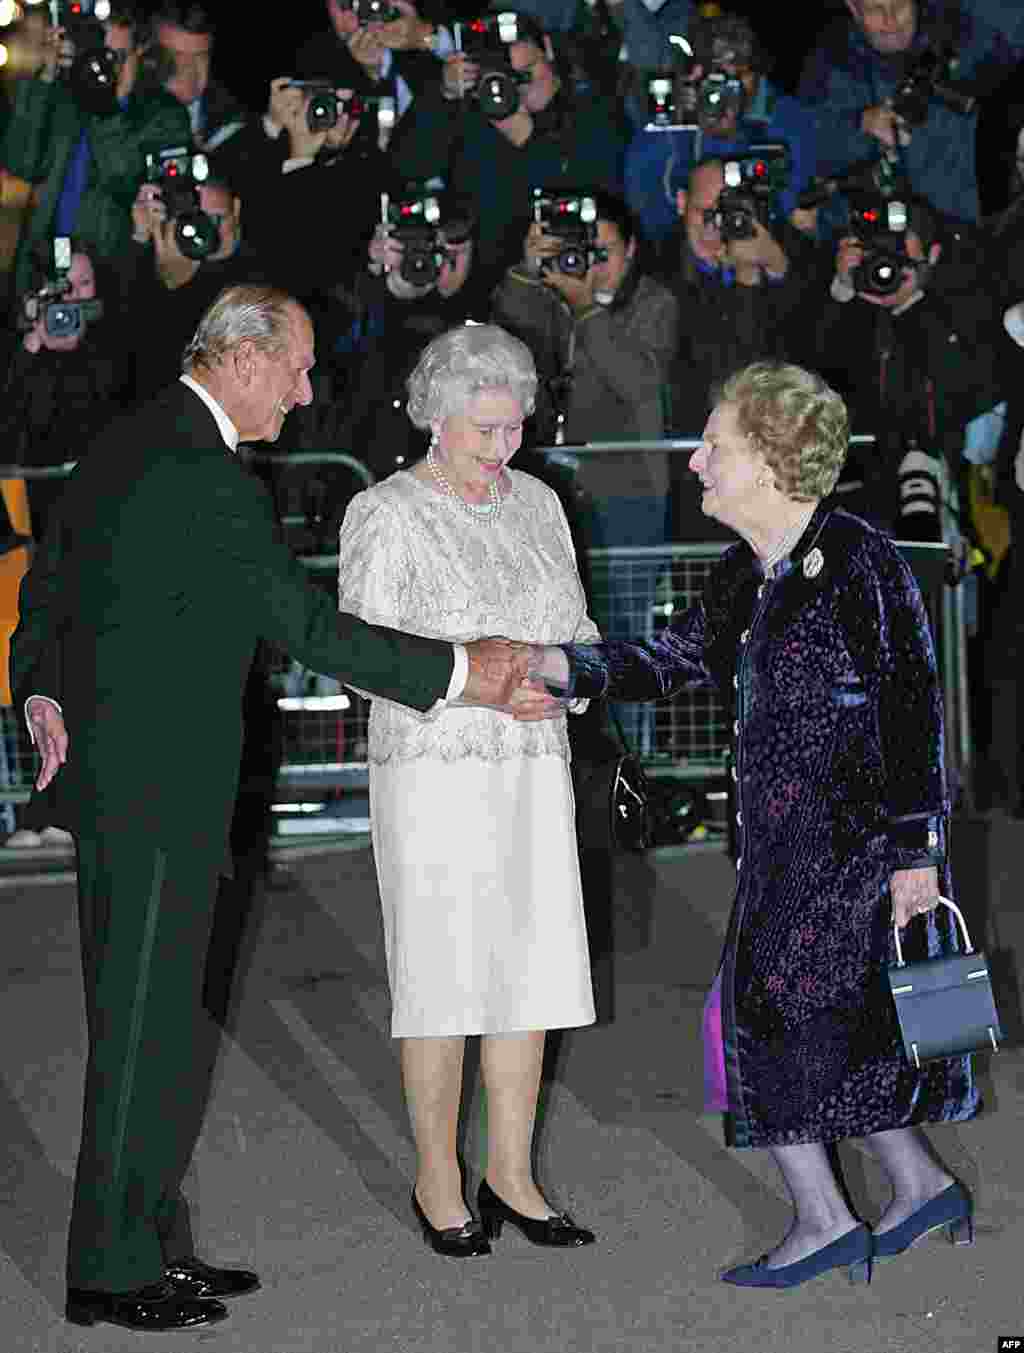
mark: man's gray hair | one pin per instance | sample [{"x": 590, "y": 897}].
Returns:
[
  {"x": 245, "y": 313},
  {"x": 463, "y": 362}
]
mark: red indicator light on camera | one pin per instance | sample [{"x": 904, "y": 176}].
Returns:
[
  {"x": 760, "y": 169},
  {"x": 478, "y": 26},
  {"x": 870, "y": 216}
]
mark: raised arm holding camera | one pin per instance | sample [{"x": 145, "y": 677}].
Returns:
[
  {"x": 80, "y": 127},
  {"x": 501, "y": 121},
  {"x": 915, "y": 354},
  {"x": 714, "y": 99},
  {"x": 904, "y": 76}
]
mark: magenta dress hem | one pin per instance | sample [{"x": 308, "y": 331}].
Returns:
[{"x": 716, "y": 1097}]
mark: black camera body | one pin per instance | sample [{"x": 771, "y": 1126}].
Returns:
[
  {"x": 178, "y": 173},
  {"x": 880, "y": 224},
  {"x": 754, "y": 182},
  {"x": 718, "y": 94},
  {"x": 324, "y": 109},
  {"x": 61, "y": 318},
  {"x": 95, "y": 69},
  {"x": 415, "y": 222},
  {"x": 926, "y": 80},
  {"x": 486, "y": 41},
  {"x": 572, "y": 219}
]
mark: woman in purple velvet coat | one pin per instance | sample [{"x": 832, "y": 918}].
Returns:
[{"x": 814, "y": 630}]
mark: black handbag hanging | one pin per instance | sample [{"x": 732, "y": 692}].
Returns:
[
  {"x": 611, "y": 796},
  {"x": 945, "y": 1005}
]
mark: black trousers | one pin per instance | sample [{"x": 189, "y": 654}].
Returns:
[{"x": 145, "y": 915}]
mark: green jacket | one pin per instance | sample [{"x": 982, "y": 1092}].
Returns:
[
  {"x": 141, "y": 614},
  {"x": 43, "y": 129}
]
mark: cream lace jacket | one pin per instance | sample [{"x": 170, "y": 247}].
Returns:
[{"x": 417, "y": 561}]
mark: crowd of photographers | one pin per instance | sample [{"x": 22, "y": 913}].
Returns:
[{"x": 620, "y": 182}]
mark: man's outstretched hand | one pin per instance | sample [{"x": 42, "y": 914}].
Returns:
[
  {"x": 50, "y": 737},
  {"x": 496, "y": 667}
]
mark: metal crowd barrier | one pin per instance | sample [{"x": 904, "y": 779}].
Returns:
[{"x": 324, "y": 726}]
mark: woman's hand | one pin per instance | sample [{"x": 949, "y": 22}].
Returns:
[
  {"x": 531, "y": 702},
  {"x": 914, "y": 892}
]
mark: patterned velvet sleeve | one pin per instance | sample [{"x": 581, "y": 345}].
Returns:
[
  {"x": 888, "y": 632},
  {"x": 626, "y": 670}
]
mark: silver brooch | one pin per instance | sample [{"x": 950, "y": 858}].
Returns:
[{"x": 814, "y": 562}]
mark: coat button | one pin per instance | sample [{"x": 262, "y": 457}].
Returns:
[
  {"x": 735, "y": 776},
  {"x": 739, "y": 864},
  {"x": 735, "y": 682},
  {"x": 744, "y": 636},
  {"x": 736, "y": 727}
]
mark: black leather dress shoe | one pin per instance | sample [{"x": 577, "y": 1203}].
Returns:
[
  {"x": 455, "y": 1242},
  {"x": 193, "y": 1278},
  {"x": 559, "y": 1230},
  {"x": 158, "y": 1306}
]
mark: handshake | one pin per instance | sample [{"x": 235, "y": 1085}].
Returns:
[{"x": 516, "y": 678}]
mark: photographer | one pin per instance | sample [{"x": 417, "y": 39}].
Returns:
[
  {"x": 501, "y": 120},
  {"x": 915, "y": 358},
  {"x": 304, "y": 243},
  {"x": 65, "y": 375},
  {"x": 602, "y": 334},
  {"x": 185, "y": 33},
  {"x": 723, "y": 103},
  {"x": 173, "y": 290},
  {"x": 738, "y": 297},
  {"x": 82, "y": 140},
  {"x": 888, "y": 80},
  {"x": 421, "y": 280},
  {"x": 394, "y": 56}
]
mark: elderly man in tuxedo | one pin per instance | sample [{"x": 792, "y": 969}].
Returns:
[{"x": 162, "y": 560}]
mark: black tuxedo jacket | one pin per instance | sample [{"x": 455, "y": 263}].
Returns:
[{"x": 141, "y": 614}]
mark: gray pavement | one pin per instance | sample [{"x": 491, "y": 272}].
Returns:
[{"x": 305, "y": 1164}]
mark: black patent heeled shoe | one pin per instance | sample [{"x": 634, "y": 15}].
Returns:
[
  {"x": 456, "y": 1242},
  {"x": 559, "y": 1229}
]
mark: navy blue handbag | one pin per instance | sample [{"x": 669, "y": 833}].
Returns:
[{"x": 945, "y": 1005}]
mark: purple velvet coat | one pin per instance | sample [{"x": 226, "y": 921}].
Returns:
[{"x": 829, "y": 670}]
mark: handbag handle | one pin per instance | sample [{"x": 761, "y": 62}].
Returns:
[{"x": 963, "y": 928}]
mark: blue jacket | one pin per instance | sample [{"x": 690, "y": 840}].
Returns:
[
  {"x": 844, "y": 75},
  {"x": 658, "y": 163}
]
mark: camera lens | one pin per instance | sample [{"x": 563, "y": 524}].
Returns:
[
  {"x": 197, "y": 235},
  {"x": 498, "y": 95},
  {"x": 63, "y": 320}
]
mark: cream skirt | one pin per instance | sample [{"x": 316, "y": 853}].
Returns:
[{"x": 480, "y": 896}]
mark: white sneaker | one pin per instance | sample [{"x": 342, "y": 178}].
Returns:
[
  {"x": 56, "y": 836},
  {"x": 23, "y": 839}
]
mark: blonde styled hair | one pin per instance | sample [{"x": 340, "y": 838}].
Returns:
[{"x": 798, "y": 423}]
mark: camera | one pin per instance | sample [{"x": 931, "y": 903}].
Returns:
[
  {"x": 324, "y": 109},
  {"x": 178, "y": 173},
  {"x": 927, "y": 80},
  {"x": 424, "y": 224},
  {"x": 486, "y": 41},
  {"x": 671, "y": 101},
  {"x": 719, "y": 94},
  {"x": 884, "y": 177},
  {"x": 881, "y": 226},
  {"x": 61, "y": 318},
  {"x": 572, "y": 217},
  {"x": 753, "y": 184},
  {"x": 95, "y": 68}
]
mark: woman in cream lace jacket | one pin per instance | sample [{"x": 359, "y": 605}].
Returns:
[{"x": 472, "y": 810}]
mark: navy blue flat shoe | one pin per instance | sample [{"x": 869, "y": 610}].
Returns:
[
  {"x": 952, "y": 1209},
  {"x": 852, "y": 1251}
]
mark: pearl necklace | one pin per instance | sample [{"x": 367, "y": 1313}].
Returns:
[
  {"x": 785, "y": 545},
  {"x": 488, "y": 511}
]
